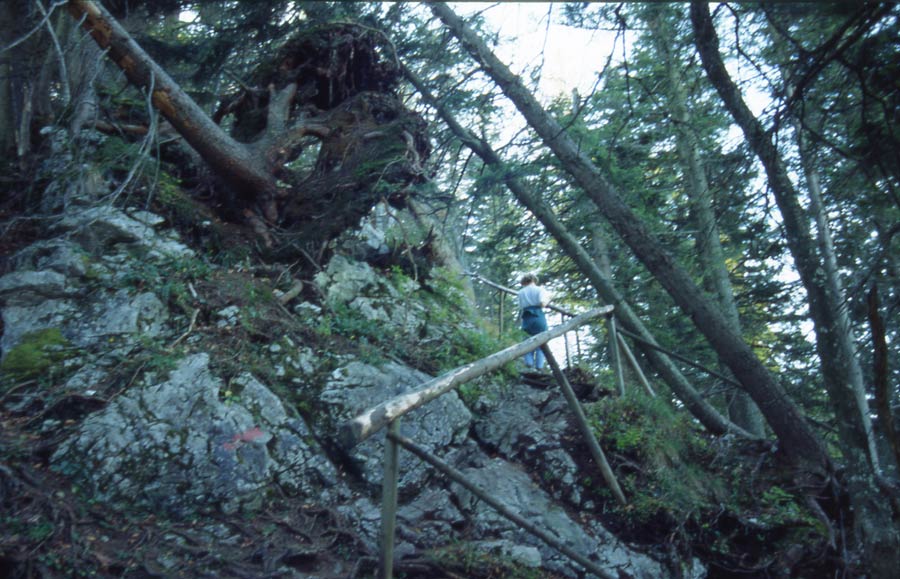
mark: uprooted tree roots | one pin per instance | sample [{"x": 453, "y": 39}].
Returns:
[
  {"x": 331, "y": 130},
  {"x": 317, "y": 136}
]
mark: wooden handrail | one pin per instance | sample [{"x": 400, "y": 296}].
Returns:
[
  {"x": 508, "y": 290},
  {"x": 364, "y": 425}
]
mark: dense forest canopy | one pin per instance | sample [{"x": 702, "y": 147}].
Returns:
[{"x": 730, "y": 183}]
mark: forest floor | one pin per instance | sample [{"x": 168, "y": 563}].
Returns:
[{"x": 50, "y": 528}]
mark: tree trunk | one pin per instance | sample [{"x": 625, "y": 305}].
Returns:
[
  {"x": 84, "y": 67},
  {"x": 7, "y": 118},
  {"x": 693, "y": 401},
  {"x": 18, "y": 70},
  {"x": 843, "y": 330},
  {"x": 798, "y": 440},
  {"x": 716, "y": 277},
  {"x": 873, "y": 517},
  {"x": 880, "y": 372},
  {"x": 230, "y": 159}
]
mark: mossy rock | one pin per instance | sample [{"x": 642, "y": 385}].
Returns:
[{"x": 36, "y": 354}]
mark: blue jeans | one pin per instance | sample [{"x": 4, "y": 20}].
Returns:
[
  {"x": 535, "y": 359},
  {"x": 534, "y": 322}
]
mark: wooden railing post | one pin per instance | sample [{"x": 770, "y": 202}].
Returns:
[
  {"x": 578, "y": 343},
  {"x": 585, "y": 427},
  {"x": 389, "y": 500},
  {"x": 502, "y": 297},
  {"x": 634, "y": 364},
  {"x": 615, "y": 357}
]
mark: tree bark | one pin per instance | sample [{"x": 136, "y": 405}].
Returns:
[
  {"x": 7, "y": 118},
  {"x": 19, "y": 67},
  {"x": 875, "y": 532},
  {"x": 798, "y": 440},
  {"x": 708, "y": 416},
  {"x": 837, "y": 318}
]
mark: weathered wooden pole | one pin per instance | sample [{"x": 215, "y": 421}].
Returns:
[
  {"x": 562, "y": 318},
  {"x": 634, "y": 364},
  {"x": 577, "y": 343},
  {"x": 389, "y": 500},
  {"x": 615, "y": 357},
  {"x": 502, "y": 298},
  {"x": 585, "y": 428},
  {"x": 503, "y": 510},
  {"x": 374, "y": 419}
]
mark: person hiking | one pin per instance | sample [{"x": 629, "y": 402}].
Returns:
[{"x": 532, "y": 299}]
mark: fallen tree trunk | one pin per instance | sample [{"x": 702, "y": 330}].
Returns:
[{"x": 227, "y": 157}]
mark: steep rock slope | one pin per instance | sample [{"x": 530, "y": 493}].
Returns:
[{"x": 199, "y": 394}]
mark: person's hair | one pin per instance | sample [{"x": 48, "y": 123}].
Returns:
[{"x": 529, "y": 278}]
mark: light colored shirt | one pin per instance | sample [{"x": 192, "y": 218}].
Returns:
[{"x": 533, "y": 295}]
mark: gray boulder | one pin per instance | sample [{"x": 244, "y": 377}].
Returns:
[
  {"x": 358, "y": 386},
  {"x": 120, "y": 315},
  {"x": 50, "y": 288},
  {"x": 59, "y": 255},
  {"x": 117, "y": 320},
  {"x": 516, "y": 491},
  {"x": 28, "y": 288},
  {"x": 98, "y": 228},
  {"x": 526, "y": 425},
  {"x": 21, "y": 320},
  {"x": 175, "y": 445},
  {"x": 360, "y": 287}
]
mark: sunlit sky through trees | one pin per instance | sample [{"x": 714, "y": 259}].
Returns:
[{"x": 570, "y": 57}]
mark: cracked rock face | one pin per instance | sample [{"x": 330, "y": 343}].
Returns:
[
  {"x": 50, "y": 289},
  {"x": 526, "y": 425},
  {"x": 436, "y": 426},
  {"x": 516, "y": 491},
  {"x": 175, "y": 445},
  {"x": 97, "y": 228}
]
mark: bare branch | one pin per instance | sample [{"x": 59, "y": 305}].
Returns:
[{"x": 31, "y": 32}]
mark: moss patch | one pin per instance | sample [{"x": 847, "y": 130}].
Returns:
[{"x": 36, "y": 354}]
